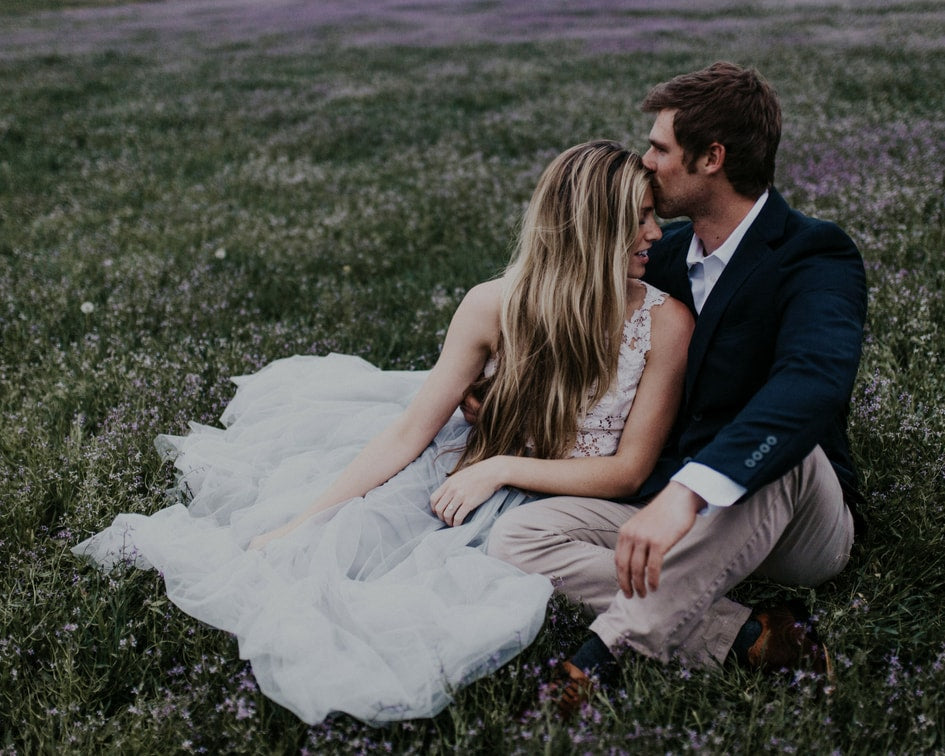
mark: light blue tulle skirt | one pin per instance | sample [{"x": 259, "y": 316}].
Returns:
[{"x": 374, "y": 607}]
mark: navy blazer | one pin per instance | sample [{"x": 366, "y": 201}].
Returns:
[{"x": 774, "y": 353}]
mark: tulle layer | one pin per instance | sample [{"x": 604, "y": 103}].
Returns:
[{"x": 373, "y": 608}]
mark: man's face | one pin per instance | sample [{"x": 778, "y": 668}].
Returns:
[{"x": 676, "y": 189}]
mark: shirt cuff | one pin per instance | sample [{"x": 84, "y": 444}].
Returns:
[{"x": 718, "y": 490}]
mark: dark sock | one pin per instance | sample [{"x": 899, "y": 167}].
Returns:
[
  {"x": 745, "y": 639},
  {"x": 595, "y": 659}
]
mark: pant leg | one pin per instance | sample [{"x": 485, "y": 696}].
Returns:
[
  {"x": 795, "y": 530},
  {"x": 572, "y": 541},
  {"x": 569, "y": 539}
]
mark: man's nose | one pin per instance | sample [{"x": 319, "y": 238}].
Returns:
[{"x": 647, "y": 160}]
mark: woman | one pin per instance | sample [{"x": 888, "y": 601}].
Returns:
[{"x": 364, "y": 601}]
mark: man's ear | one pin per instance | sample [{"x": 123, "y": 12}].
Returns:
[{"x": 713, "y": 158}]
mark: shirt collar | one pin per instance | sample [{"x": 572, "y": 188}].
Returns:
[{"x": 725, "y": 251}]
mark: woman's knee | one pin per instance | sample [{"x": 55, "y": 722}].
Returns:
[{"x": 515, "y": 535}]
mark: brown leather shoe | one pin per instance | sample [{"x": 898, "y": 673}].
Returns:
[
  {"x": 788, "y": 640},
  {"x": 571, "y": 690}
]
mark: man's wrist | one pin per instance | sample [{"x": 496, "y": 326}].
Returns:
[
  {"x": 716, "y": 489},
  {"x": 688, "y": 498}
]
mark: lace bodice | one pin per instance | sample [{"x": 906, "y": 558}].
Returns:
[{"x": 599, "y": 430}]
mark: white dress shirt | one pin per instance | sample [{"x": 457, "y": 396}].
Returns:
[{"x": 704, "y": 271}]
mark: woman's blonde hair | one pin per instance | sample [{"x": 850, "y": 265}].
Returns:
[{"x": 564, "y": 304}]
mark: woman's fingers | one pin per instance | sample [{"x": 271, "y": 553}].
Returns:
[
  {"x": 444, "y": 503},
  {"x": 453, "y": 501},
  {"x": 459, "y": 516},
  {"x": 449, "y": 512}
]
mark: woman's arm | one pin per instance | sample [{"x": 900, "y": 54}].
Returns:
[
  {"x": 647, "y": 427},
  {"x": 470, "y": 339}
]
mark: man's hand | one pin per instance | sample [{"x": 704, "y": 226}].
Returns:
[
  {"x": 465, "y": 490},
  {"x": 472, "y": 401},
  {"x": 646, "y": 537},
  {"x": 470, "y": 408}
]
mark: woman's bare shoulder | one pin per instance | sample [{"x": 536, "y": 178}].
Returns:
[
  {"x": 487, "y": 293},
  {"x": 484, "y": 300},
  {"x": 672, "y": 320},
  {"x": 479, "y": 310}
]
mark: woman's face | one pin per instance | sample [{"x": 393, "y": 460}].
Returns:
[{"x": 649, "y": 232}]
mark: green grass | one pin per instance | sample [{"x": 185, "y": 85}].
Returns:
[{"x": 235, "y": 205}]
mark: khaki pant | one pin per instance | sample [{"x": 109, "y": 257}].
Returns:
[{"x": 796, "y": 530}]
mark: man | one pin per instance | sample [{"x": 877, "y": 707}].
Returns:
[{"x": 757, "y": 476}]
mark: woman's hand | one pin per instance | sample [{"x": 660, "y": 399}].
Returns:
[
  {"x": 465, "y": 490},
  {"x": 262, "y": 540}
]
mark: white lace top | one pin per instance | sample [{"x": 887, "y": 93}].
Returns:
[{"x": 599, "y": 430}]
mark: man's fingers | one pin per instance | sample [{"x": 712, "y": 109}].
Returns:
[
  {"x": 622, "y": 562},
  {"x": 623, "y": 578},
  {"x": 470, "y": 407},
  {"x": 638, "y": 570},
  {"x": 654, "y": 566}
]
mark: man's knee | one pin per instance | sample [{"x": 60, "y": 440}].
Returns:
[
  {"x": 821, "y": 478},
  {"x": 815, "y": 542}
]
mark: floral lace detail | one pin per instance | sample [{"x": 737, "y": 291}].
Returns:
[{"x": 599, "y": 430}]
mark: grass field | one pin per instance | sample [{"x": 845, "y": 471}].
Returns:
[{"x": 180, "y": 206}]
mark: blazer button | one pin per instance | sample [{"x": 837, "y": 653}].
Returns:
[
  {"x": 764, "y": 448},
  {"x": 772, "y": 440},
  {"x": 757, "y": 455},
  {"x": 750, "y": 463},
  {"x": 697, "y": 416}
]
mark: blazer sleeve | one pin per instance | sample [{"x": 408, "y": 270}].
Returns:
[{"x": 820, "y": 309}]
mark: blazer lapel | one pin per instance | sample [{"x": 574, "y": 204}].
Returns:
[
  {"x": 680, "y": 272},
  {"x": 673, "y": 275},
  {"x": 750, "y": 252}
]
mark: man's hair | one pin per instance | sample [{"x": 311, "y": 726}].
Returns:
[
  {"x": 733, "y": 106},
  {"x": 564, "y": 304}
]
